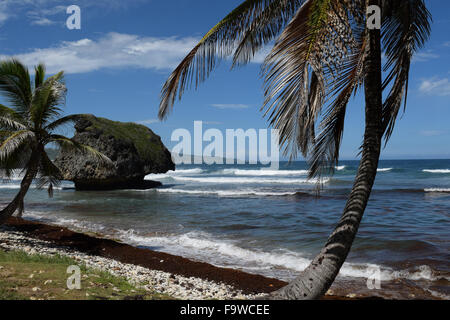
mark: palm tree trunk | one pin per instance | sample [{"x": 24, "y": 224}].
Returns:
[
  {"x": 17, "y": 203},
  {"x": 317, "y": 278}
]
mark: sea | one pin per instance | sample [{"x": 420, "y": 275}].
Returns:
[{"x": 273, "y": 222}]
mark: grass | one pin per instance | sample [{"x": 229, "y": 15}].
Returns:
[
  {"x": 38, "y": 277},
  {"x": 146, "y": 142}
]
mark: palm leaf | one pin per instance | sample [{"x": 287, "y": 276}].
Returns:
[
  {"x": 62, "y": 121},
  {"x": 15, "y": 85},
  {"x": 39, "y": 75},
  {"x": 325, "y": 152},
  {"x": 16, "y": 159},
  {"x": 406, "y": 28},
  {"x": 264, "y": 29},
  {"x": 15, "y": 141},
  {"x": 49, "y": 175},
  {"x": 300, "y": 68},
  {"x": 46, "y": 100},
  {"x": 218, "y": 43},
  {"x": 71, "y": 145}
]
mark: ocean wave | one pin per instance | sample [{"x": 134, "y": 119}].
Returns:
[
  {"x": 171, "y": 173},
  {"x": 436, "y": 170},
  {"x": 340, "y": 168},
  {"x": 187, "y": 171},
  {"x": 9, "y": 186},
  {"x": 17, "y": 186},
  {"x": 228, "y": 193},
  {"x": 438, "y": 190},
  {"x": 232, "y": 180},
  {"x": 384, "y": 169},
  {"x": 263, "y": 172},
  {"x": 203, "y": 246}
]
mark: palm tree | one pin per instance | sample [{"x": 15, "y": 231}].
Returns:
[
  {"x": 323, "y": 55},
  {"x": 29, "y": 125}
]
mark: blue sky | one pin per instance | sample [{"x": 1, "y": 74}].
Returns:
[{"x": 117, "y": 63}]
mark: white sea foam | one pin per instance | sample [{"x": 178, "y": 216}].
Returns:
[
  {"x": 340, "y": 168},
  {"x": 263, "y": 172},
  {"x": 171, "y": 173},
  {"x": 10, "y": 185},
  {"x": 436, "y": 170},
  {"x": 228, "y": 193},
  {"x": 187, "y": 171},
  {"x": 200, "y": 245},
  {"x": 223, "y": 252},
  {"x": 16, "y": 175},
  {"x": 437, "y": 190},
  {"x": 232, "y": 180},
  {"x": 384, "y": 169}
]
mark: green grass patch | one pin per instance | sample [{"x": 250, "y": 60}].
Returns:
[
  {"x": 146, "y": 142},
  {"x": 37, "y": 277}
]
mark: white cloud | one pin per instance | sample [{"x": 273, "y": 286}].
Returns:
[
  {"x": 436, "y": 86},
  {"x": 261, "y": 55},
  {"x": 42, "y": 22},
  {"x": 148, "y": 121},
  {"x": 37, "y": 11},
  {"x": 114, "y": 50},
  {"x": 230, "y": 106},
  {"x": 425, "y": 56},
  {"x": 41, "y": 16},
  {"x": 431, "y": 133}
]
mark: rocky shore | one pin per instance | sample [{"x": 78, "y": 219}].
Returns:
[
  {"x": 152, "y": 280},
  {"x": 167, "y": 274},
  {"x": 134, "y": 150},
  {"x": 14, "y": 236}
]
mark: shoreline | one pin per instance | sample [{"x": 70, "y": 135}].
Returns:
[
  {"x": 169, "y": 274},
  {"x": 200, "y": 280}
]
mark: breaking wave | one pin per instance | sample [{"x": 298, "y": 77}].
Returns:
[{"x": 436, "y": 170}]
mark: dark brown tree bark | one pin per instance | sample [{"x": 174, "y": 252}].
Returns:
[{"x": 317, "y": 278}]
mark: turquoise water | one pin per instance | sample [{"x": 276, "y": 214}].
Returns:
[{"x": 272, "y": 222}]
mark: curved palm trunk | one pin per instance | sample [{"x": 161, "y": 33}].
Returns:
[
  {"x": 27, "y": 180},
  {"x": 317, "y": 278}
]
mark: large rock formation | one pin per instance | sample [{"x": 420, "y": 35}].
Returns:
[{"x": 134, "y": 149}]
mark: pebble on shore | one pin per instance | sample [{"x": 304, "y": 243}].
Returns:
[{"x": 174, "y": 285}]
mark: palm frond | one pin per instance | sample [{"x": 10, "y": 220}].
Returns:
[
  {"x": 16, "y": 159},
  {"x": 11, "y": 120},
  {"x": 39, "y": 75},
  {"x": 287, "y": 80},
  {"x": 264, "y": 29},
  {"x": 4, "y": 110},
  {"x": 304, "y": 62},
  {"x": 318, "y": 58},
  {"x": 71, "y": 145},
  {"x": 325, "y": 152},
  {"x": 49, "y": 175},
  {"x": 406, "y": 28},
  {"x": 47, "y": 97},
  {"x": 15, "y": 141},
  {"x": 15, "y": 85},
  {"x": 8, "y": 123},
  {"x": 62, "y": 121},
  {"x": 218, "y": 43}
]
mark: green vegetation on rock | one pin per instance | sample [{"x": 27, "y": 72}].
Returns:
[
  {"x": 134, "y": 149},
  {"x": 146, "y": 142}
]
